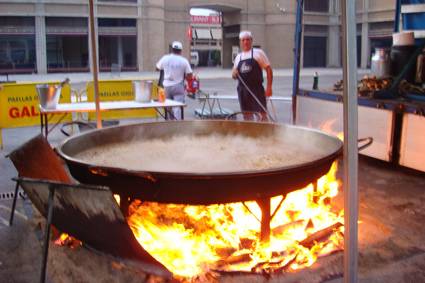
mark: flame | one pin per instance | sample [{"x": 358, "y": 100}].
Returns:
[
  {"x": 117, "y": 198},
  {"x": 328, "y": 126},
  {"x": 65, "y": 239},
  {"x": 194, "y": 240}
]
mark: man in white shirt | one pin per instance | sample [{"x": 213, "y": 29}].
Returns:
[
  {"x": 176, "y": 69},
  {"x": 248, "y": 67}
]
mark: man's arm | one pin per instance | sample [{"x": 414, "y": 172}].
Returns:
[
  {"x": 265, "y": 64},
  {"x": 235, "y": 68},
  {"x": 159, "y": 65},
  {"x": 235, "y": 73},
  {"x": 188, "y": 71},
  {"x": 269, "y": 72}
]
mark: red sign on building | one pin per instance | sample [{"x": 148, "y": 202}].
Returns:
[{"x": 211, "y": 20}]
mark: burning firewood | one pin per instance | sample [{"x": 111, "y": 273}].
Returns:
[
  {"x": 282, "y": 228},
  {"x": 234, "y": 259},
  {"x": 274, "y": 266},
  {"x": 285, "y": 267},
  {"x": 246, "y": 243},
  {"x": 319, "y": 235},
  {"x": 225, "y": 251}
]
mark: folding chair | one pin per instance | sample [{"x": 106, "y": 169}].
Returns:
[
  {"x": 37, "y": 159},
  {"x": 90, "y": 214}
]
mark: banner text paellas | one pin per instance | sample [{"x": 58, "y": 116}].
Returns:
[{"x": 19, "y": 104}]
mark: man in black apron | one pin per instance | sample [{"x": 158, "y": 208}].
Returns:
[{"x": 248, "y": 67}]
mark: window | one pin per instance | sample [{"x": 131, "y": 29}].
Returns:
[
  {"x": 316, "y": 6},
  {"x": 17, "y": 45},
  {"x": 18, "y": 54},
  {"x": 129, "y": 1},
  {"x": 105, "y": 22},
  {"x": 117, "y": 44},
  {"x": 67, "y": 53},
  {"x": 67, "y": 44}
]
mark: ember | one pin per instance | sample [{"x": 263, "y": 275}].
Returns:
[
  {"x": 66, "y": 240},
  {"x": 192, "y": 241}
]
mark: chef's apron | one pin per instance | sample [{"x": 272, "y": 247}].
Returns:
[{"x": 252, "y": 74}]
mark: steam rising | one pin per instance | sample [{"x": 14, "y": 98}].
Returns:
[{"x": 202, "y": 153}]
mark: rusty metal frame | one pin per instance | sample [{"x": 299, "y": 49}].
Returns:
[{"x": 102, "y": 227}]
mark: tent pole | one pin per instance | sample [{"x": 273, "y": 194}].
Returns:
[
  {"x": 94, "y": 64},
  {"x": 297, "y": 55},
  {"x": 350, "y": 141}
]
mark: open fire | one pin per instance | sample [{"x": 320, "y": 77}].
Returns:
[{"x": 192, "y": 241}]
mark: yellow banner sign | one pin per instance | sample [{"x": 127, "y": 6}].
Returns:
[
  {"x": 19, "y": 104},
  {"x": 116, "y": 90}
]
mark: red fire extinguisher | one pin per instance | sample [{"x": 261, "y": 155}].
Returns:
[{"x": 192, "y": 85}]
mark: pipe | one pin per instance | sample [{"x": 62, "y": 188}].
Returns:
[
  {"x": 396, "y": 27},
  {"x": 350, "y": 141},
  {"x": 297, "y": 55},
  {"x": 264, "y": 204},
  {"x": 94, "y": 64}
]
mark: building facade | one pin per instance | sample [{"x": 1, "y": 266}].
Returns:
[{"x": 53, "y": 36}]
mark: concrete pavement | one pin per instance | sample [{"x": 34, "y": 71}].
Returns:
[{"x": 202, "y": 72}]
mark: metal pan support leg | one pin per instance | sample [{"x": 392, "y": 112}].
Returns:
[
  {"x": 15, "y": 197},
  {"x": 47, "y": 234}
]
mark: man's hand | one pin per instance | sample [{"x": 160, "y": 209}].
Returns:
[
  {"x": 235, "y": 74},
  {"x": 269, "y": 92}
]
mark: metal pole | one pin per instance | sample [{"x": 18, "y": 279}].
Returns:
[
  {"x": 397, "y": 15},
  {"x": 15, "y": 197},
  {"x": 94, "y": 64},
  {"x": 47, "y": 233},
  {"x": 297, "y": 54},
  {"x": 264, "y": 204},
  {"x": 350, "y": 140}
]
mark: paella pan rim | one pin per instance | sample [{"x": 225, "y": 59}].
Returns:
[{"x": 270, "y": 171}]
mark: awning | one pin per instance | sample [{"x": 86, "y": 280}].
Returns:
[
  {"x": 203, "y": 33},
  {"x": 216, "y": 33}
]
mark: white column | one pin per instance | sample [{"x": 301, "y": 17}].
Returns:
[
  {"x": 365, "y": 45},
  {"x": 365, "y": 36},
  {"x": 139, "y": 40},
  {"x": 334, "y": 41},
  {"x": 120, "y": 54},
  {"x": 40, "y": 44},
  {"x": 139, "y": 44},
  {"x": 334, "y": 47}
]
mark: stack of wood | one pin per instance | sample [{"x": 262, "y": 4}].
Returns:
[{"x": 281, "y": 261}]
